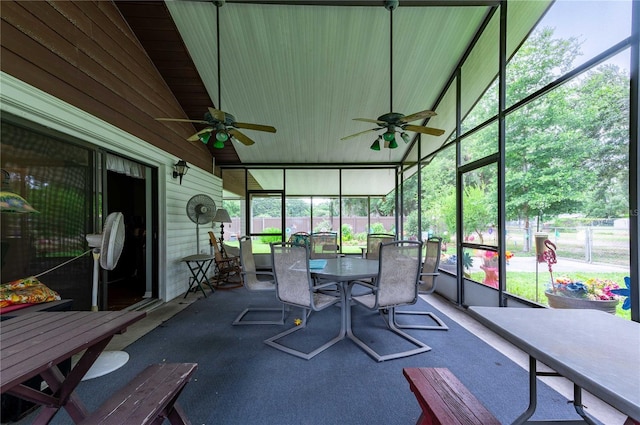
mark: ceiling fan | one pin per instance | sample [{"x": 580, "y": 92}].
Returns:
[
  {"x": 394, "y": 121},
  {"x": 222, "y": 125}
]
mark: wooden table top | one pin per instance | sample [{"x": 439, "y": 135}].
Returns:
[{"x": 32, "y": 343}]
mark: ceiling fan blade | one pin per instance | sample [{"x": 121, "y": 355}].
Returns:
[
  {"x": 182, "y": 120},
  {"x": 417, "y": 116},
  {"x": 425, "y": 130},
  {"x": 217, "y": 114},
  {"x": 196, "y": 137},
  {"x": 370, "y": 120},
  {"x": 242, "y": 138},
  {"x": 257, "y": 127},
  {"x": 362, "y": 132}
]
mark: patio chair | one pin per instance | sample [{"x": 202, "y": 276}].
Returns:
[
  {"x": 295, "y": 287},
  {"x": 395, "y": 285},
  {"x": 373, "y": 244},
  {"x": 225, "y": 266},
  {"x": 426, "y": 285},
  {"x": 252, "y": 282},
  {"x": 300, "y": 239},
  {"x": 324, "y": 245}
]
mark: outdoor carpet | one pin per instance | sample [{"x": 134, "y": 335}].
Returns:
[{"x": 241, "y": 380}]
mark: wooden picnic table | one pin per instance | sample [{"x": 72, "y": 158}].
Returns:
[{"x": 35, "y": 343}]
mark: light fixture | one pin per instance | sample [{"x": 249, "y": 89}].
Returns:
[
  {"x": 180, "y": 168},
  {"x": 222, "y": 216},
  {"x": 204, "y": 137},
  {"x": 393, "y": 144},
  {"x": 405, "y": 137},
  {"x": 389, "y": 136},
  {"x": 376, "y": 144},
  {"x": 222, "y": 136}
]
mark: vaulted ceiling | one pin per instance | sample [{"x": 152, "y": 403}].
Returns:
[{"x": 309, "y": 68}]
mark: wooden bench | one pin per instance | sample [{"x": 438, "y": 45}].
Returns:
[
  {"x": 148, "y": 399},
  {"x": 444, "y": 399}
]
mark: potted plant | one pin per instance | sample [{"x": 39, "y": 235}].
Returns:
[
  {"x": 490, "y": 267},
  {"x": 565, "y": 292},
  {"x": 593, "y": 293}
]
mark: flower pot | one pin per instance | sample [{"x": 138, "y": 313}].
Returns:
[{"x": 559, "y": 301}]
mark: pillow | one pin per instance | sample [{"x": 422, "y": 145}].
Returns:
[{"x": 27, "y": 290}]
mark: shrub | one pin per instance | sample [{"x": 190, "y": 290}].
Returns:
[{"x": 270, "y": 239}]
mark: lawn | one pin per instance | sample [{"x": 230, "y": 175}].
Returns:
[{"x": 521, "y": 284}]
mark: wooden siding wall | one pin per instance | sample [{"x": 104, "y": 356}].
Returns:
[
  {"x": 85, "y": 54},
  {"x": 59, "y": 70}
]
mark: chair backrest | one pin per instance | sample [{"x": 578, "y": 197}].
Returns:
[
  {"x": 213, "y": 241},
  {"x": 324, "y": 245},
  {"x": 300, "y": 239},
  {"x": 430, "y": 264},
  {"x": 373, "y": 244},
  {"x": 398, "y": 273},
  {"x": 248, "y": 263},
  {"x": 291, "y": 272}
]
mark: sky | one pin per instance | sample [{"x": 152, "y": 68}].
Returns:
[{"x": 599, "y": 23}]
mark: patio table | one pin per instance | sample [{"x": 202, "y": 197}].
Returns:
[
  {"x": 35, "y": 343},
  {"x": 344, "y": 270},
  {"x": 597, "y": 351}
]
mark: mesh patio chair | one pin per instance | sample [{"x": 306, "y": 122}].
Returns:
[
  {"x": 426, "y": 285},
  {"x": 295, "y": 287},
  {"x": 252, "y": 282},
  {"x": 395, "y": 285},
  {"x": 373, "y": 244},
  {"x": 324, "y": 245}
]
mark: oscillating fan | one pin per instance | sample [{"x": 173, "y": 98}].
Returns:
[
  {"x": 200, "y": 209},
  {"x": 107, "y": 248}
]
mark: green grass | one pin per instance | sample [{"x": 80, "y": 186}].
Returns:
[{"x": 521, "y": 284}]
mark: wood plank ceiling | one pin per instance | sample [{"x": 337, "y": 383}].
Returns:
[
  {"x": 153, "y": 25},
  {"x": 310, "y": 67}
]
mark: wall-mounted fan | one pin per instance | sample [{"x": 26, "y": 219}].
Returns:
[
  {"x": 200, "y": 209},
  {"x": 107, "y": 248},
  {"x": 394, "y": 121},
  {"x": 222, "y": 126}
]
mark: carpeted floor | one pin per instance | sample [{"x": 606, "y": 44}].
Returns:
[{"x": 241, "y": 380}]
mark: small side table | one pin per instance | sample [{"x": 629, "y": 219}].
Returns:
[{"x": 199, "y": 266}]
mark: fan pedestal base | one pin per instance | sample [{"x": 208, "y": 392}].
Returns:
[{"x": 107, "y": 362}]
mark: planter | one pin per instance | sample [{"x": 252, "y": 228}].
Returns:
[{"x": 559, "y": 301}]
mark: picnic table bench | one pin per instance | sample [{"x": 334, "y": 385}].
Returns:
[
  {"x": 444, "y": 399},
  {"x": 148, "y": 399}
]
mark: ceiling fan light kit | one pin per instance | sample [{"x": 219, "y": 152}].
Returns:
[
  {"x": 223, "y": 124},
  {"x": 394, "y": 121}
]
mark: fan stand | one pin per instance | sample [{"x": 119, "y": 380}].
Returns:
[{"x": 107, "y": 361}]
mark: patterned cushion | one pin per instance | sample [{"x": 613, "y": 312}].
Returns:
[{"x": 28, "y": 290}]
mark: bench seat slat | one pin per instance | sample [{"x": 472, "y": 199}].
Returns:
[
  {"x": 445, "y": 400},
  {"x": 146, "y": 397}
]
